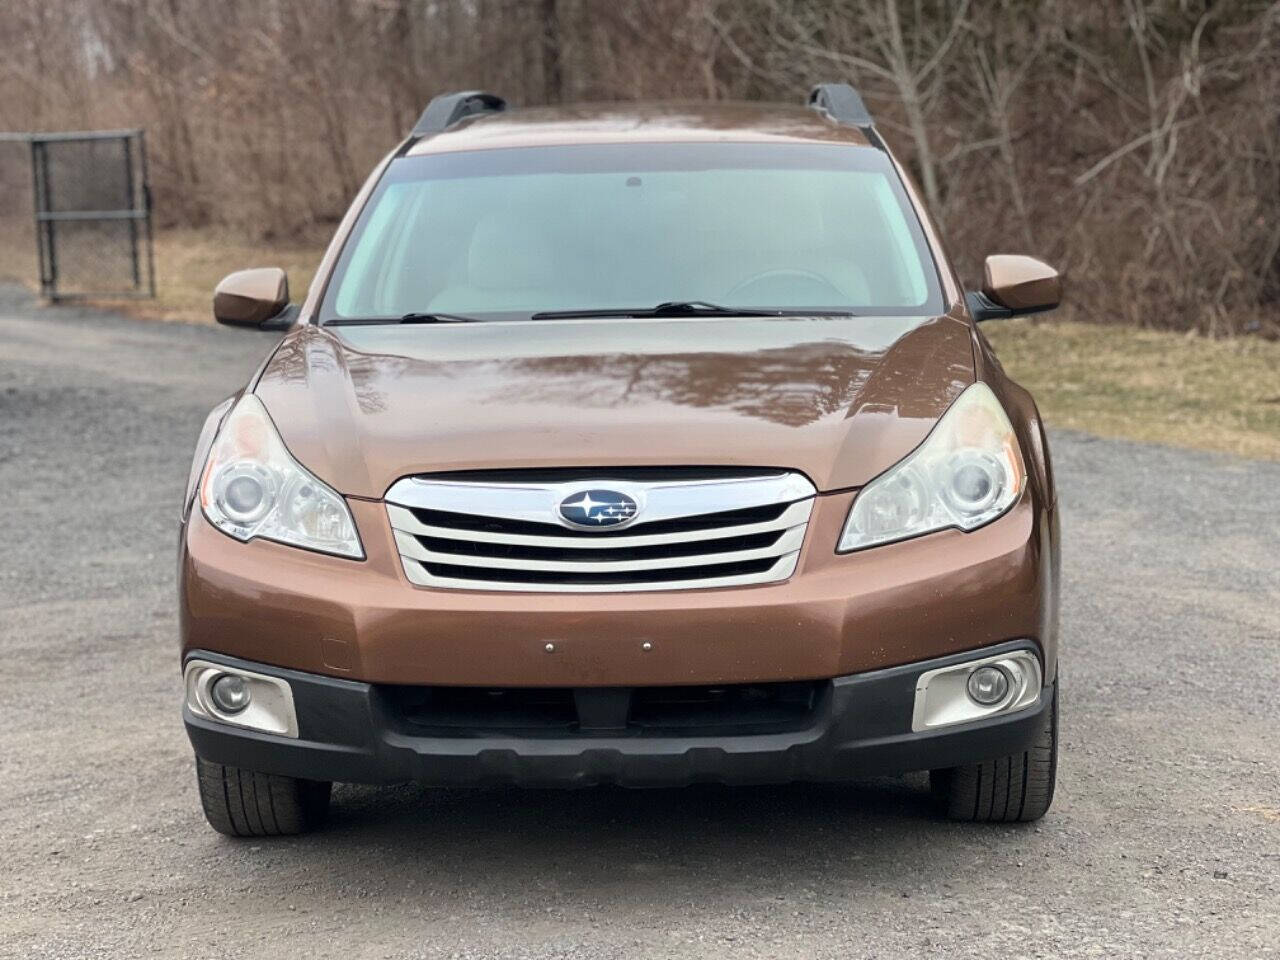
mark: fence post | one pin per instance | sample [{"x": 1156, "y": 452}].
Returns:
[{"x": 146, "y": 206}]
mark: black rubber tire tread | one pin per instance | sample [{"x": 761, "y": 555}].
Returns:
[
  {"x": 1013, "y": 789},
  {"x": 244, "y": 803}
]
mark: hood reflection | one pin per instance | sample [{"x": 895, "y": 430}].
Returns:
[{"x": 792, "y": 385}]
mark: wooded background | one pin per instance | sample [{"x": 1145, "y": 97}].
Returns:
[{"x": 1135, "y": 145}]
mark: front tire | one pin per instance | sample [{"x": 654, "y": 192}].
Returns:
[
  {"x": 1013, "y": 789},
  {"x": 244, "y": 803}
]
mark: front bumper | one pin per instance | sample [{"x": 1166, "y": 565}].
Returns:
[
  {"x": 837, "y": 615},
  {"x": 349, "y": 731}
]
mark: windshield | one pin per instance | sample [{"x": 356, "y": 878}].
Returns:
[{"x": 505, "y": 234}]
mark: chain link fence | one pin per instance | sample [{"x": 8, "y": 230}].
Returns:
[
  {"x": 18, "y": 262},
  {"x": 87, "y": 224}
]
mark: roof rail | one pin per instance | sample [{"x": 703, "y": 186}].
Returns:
[
  {"x": 842, "y": 104},
  {"x": 448, "y": 108}
]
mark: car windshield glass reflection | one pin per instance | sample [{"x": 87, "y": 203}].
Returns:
[{"x": 759, "y": 227}]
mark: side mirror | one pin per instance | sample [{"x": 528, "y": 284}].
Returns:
[
  {"x": 254, "y": 298},
  {"x": 1014, "y": 285}
]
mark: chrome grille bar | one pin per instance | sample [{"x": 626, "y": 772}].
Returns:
[
  {"x": 507, "y": 535},
  {"x": 790, "y": 542},
  {"x": 661, "y": 500}
]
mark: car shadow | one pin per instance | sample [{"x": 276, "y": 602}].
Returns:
[{"x": 615, "y": 843}]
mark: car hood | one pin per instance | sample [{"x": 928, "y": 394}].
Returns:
[{"x": 838, "y": 398}]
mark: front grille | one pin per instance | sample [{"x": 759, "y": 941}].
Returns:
[
  {"x": 505, "y": 533},
  {"x": 740, "y": 709}
]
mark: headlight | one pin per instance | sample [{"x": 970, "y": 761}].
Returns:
[
  {"x": 252, "y": 487},
  {"x": 967, "y": 472}
]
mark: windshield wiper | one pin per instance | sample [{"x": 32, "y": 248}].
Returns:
[
  {"x": 437, "y": 318},
  {"x": 407, "y": 318},
  {"x": 669, "y": 308},
  {"x": 688, "y": 308}
]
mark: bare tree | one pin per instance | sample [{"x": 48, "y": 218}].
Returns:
[{"x": 1136, "y": 143}]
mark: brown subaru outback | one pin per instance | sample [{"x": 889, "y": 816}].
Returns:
[{"x": 643, "y": 445}]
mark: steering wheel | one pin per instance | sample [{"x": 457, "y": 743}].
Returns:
[{"x": 826, "y": 290}]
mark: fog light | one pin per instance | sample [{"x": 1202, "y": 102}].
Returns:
[
  {"x": 229, "y": 693},
  {"x": 257, "y": 701},
  {"x": 983, "y": 687},
  {"x": 987, "y": 685}
]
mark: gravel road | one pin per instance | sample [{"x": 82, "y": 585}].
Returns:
[{"x": 1164, "y": 842}]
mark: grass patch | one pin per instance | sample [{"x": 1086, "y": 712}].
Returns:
[{"x": 1148, "y": 385}]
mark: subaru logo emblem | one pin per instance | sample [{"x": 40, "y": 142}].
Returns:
[{"x": 597, "y": 508}]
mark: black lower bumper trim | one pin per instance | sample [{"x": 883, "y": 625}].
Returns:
[{"x": 863, "y": 727}]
